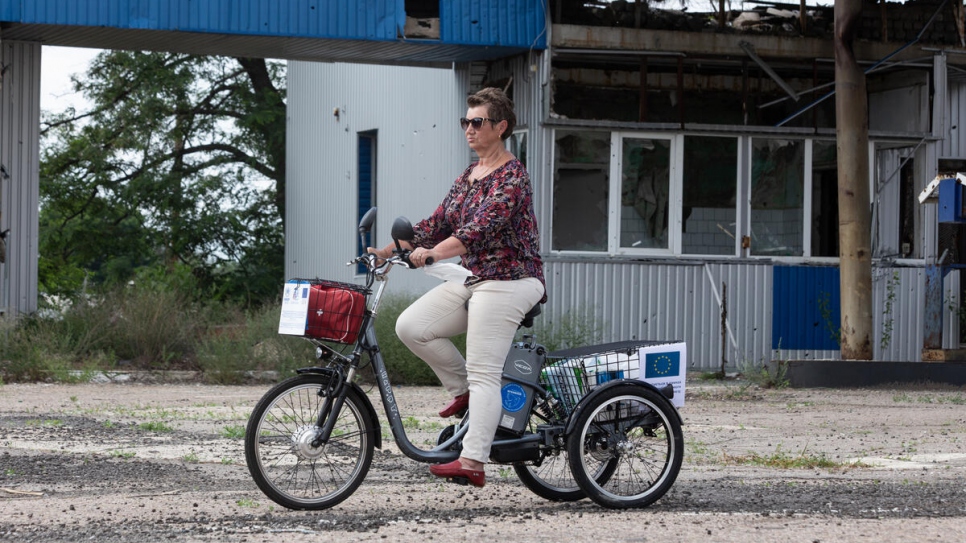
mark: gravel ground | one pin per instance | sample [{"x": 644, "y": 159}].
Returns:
[{"x": 150, "y": 462}]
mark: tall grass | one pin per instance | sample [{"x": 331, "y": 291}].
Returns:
[
  {"x": 161, "y": 329},
  {"x": 155, "y": 328}
]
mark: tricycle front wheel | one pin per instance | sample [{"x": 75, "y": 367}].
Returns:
[{"x": 279, "y": 451}]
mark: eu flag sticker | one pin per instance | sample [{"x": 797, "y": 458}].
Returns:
[{"x": 659, "y": 365}]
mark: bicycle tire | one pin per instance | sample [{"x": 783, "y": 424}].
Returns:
[
  {"x": 633, "y": 427},
  {"x": 278, "y": 447}
]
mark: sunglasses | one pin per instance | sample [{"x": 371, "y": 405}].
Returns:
[{"x": 477, "y": 122}]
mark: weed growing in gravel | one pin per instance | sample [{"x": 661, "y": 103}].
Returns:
[
  {"x": 696, "y": 447},
  {"x": 410, "y": 423},
  {"x": 123, "y": 454},
  {"x": 191, "y": 458},
  {"x": 155, "y": 426},
  {"x": 233, "y": 432},
  {"x": 766, "y": 375},
  {"x": 245, "y": 502},
  {"x": 782, "y": 460}
]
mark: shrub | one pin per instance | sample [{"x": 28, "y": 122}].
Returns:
[
  {"x": 574, "y": 329},
  {"x": 155, "y": 326},
  {"x": 250, "y": 342}
]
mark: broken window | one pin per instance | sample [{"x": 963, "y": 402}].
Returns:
[
  {"x": 710, "y": 195},
  {"x": 580, "y": 190},
  {"x": 627, "y": 193},
  {"x": 777, "y": 202},
  {"x": 825, "y": 200},
  {"x": 645, "y": 187}
]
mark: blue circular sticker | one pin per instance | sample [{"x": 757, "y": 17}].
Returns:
[{"x": 513, "y": 397}]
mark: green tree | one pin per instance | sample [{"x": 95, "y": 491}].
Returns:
[{"x": 179, "y": 163}]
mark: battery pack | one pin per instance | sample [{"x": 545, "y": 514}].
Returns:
[{"x": 521, "y": 375}]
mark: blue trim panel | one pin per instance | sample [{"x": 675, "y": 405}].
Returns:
[
  {"x": 10, "y": 10},
  {"x": 512, "y": 24},
  {"x": 367, "y": 146},
  {"x": 377, "y": 20},
  {"x": 507, "y": 23},
  {"x": 805, "y": 308}
]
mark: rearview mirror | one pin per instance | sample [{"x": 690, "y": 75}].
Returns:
[
  {"x": 365, "y": 225},
  {"x": 402, "y": 230}
]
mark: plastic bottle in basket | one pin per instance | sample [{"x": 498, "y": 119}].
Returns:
[{"x": 566, "y": 381}]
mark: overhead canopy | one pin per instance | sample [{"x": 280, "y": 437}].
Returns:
[{"x": 367, "y": 31}]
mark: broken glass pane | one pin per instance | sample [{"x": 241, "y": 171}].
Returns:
[
  {"x": 580, "y": 190},
  {"x": 710, "y": 195},
  {"x": 645, "y": 185},
  {"x": 825, "y": 199},
  {"x": 777, "y": 201}
]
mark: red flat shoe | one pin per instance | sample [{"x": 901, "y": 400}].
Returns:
[
  {"x": 455, "y": 472},
  {"x": 457, "y": 406}
]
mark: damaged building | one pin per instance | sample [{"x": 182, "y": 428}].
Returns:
[{"x": 684, "y": 166}]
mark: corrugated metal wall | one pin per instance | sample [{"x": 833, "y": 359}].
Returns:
[
  {"x": 500, "y": 22},
  {"x": 420, "y": 151},
  {"x": 953, "y": 144},
  {"x": 655, "y": 301},
  {"x": 19, "y": 191},
  {"x": 351, "y": 19},
  {"x": 671, "y": 301}
]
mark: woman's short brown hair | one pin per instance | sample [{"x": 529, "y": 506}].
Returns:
[{"x": 498, "y": 106}]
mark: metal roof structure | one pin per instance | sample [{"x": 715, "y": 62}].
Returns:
[{"x": 363, "y": 31}]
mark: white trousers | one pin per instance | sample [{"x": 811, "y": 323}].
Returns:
[{"x": 495, "y": 311}]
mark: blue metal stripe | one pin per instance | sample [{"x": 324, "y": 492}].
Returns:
[
  {"x": 491, "y": 23},
  {"x": 366, "y": 174},
  {"x": 805, "y": 307},
  {"x": 346, "y": 19},
  {"x": 509, "y": 23}
]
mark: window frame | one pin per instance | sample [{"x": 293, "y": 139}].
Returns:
[
  {"x": 615, "y": 206},
  {"x": 745, "y": 143}
]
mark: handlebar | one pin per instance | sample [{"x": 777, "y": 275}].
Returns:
[{"x": 400, "y": 256}]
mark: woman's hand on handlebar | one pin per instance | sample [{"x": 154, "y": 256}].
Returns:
[
  {"x": 383, "y": 253},
  {"x": 422, "y": 257}
]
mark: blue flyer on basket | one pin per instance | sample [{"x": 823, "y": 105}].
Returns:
[
  {"x": 666, "y": 364},
  {"x": 295, "y": 308}
]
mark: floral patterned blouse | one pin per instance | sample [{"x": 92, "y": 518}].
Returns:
[{"x": 493, "y": 218}]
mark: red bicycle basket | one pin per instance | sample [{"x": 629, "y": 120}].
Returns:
[{"x": 335, "y": 311}]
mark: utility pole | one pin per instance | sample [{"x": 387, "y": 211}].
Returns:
[{"x": 855, "y": 224}]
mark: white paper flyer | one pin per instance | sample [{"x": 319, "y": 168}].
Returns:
[
  {"x": 447, "y": 271},
  {"x": 295, "y": 308}
]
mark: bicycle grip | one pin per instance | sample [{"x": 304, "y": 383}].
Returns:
[{"x": 429, "y": 260}]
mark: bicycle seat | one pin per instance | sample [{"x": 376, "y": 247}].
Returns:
[{"x": 527, "y": 321}]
